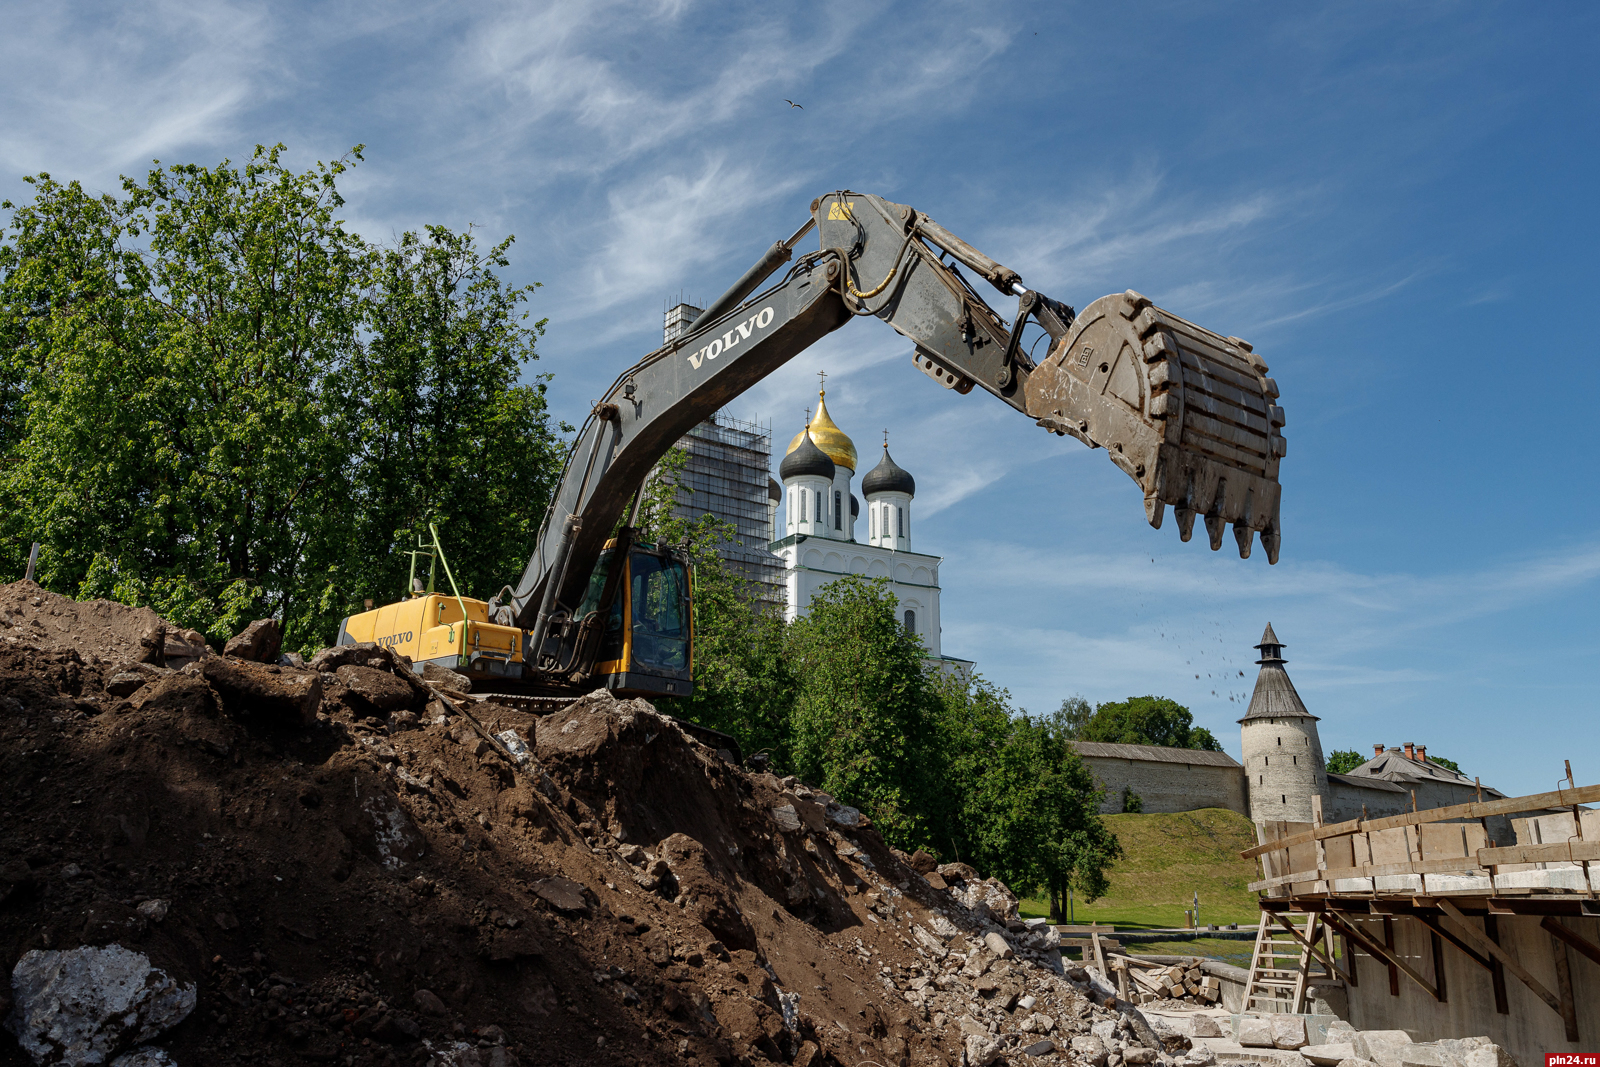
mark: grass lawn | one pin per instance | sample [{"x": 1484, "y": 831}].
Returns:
[{"x": 1166, "y": 860}]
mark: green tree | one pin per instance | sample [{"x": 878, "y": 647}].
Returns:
[
  {"x": 1147, "y": 720},
  {"x": 863, "y": 708},
  {"x": 1020, "y": 804},
  {"x": 437, "y": 424},
  {"x": 1071, "y": 717},
  {"x": 742, "y": 682},
  {"x": 200, "y": 403},
  {"x": 1343, "y": 761},
  {"x": 1444, "y": 762}
]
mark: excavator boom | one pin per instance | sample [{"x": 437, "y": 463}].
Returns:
[{"x": 1188, "y": 414}]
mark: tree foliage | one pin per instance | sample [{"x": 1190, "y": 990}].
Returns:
[
  {"x": 1147, "y": 720},
  {"x": 1343, "y": 761},
  {"x": 218, "y": 401}
]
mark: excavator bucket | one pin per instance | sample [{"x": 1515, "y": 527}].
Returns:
[{"x": 1188, "y": 414}]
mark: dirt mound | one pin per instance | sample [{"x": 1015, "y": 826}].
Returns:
[
  {"x": 99, "y": 631},
  {"x": 413, "y": 878}
]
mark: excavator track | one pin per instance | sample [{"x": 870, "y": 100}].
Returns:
[{"x": 1187, "y": 413}]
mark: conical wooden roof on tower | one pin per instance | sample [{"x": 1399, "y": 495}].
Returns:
[{"x": 1275, "y": 697}]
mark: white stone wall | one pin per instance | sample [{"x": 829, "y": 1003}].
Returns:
[
  {"x": 1284, "y": 768},
  {"x": 913, "y": 578},
  {"x": 1168, "y": 787}
]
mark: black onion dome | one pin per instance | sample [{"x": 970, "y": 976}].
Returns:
[
  {"x": 806, "y": 459},
  {"x": 774, "y": 490},
  {"x": 855, "y": 506},
  {"x": 888, "y": 477}
]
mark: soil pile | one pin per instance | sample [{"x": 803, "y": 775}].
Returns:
[{"x": 407, "y": 876}]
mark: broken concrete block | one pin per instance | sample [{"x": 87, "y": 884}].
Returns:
[
  {"x": 1329, "y": 1054},
  {"x": 1419, "y": 1055},
  {"x": 1040, "y": 1048},
  {"x": 1089, "y": 1050},
  {"x": 998, "y": 945},
  {"x": 259, "y": 642},
  {"x": 1205, "y": 1026},
  {"x": 786, "y": 817},
  {"x": 86, "y": 1005},
  {"x": 379, "y": 688},
  {"x": 1490, "y": 1055},
  {"x": 981, "y": 1050},
  {"x": 446, "y": 679},
  {"x": 149, "y": 1056},
  {"x": 1380, "y": 1046},
  {"x": 154, "y": 910},
  {"x": 1255, "y": 1032},
  {"x": 281, "y": 693},
  {"x": 1288, "y": 1032}
]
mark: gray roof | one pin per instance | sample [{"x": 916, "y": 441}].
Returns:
[
  {"x": 1365, "y": 783},
  {"x": 1274, "y": 697},
  {"x": 1193, "y": 756},
  {"x": 1393, "y": 766}
]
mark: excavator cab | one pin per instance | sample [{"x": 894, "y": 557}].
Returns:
[{"x": 646, "y": 642}]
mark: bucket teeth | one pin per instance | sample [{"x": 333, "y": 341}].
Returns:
[
  {"x": 1245, "y": 537},
  {"x": 1185, "y": 519},
  {"x": 1155, "y": 511},
  {"x": 1214, "y": 527},
  {"x": 1269, "y": 541}
]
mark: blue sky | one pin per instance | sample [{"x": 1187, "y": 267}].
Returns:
[{"x": 1388, "y": 200}]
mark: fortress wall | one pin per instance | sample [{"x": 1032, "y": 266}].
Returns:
[{"x": 1168, "y": 787}]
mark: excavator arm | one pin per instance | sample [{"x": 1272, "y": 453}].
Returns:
[{"x": 1188, "y": 414}]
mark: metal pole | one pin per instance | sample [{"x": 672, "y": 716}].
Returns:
[{"x": 33, "y": 560}]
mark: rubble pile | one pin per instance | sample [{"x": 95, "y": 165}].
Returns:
[
  {"x": 339, "y": 862},
  {"x": 1148, "y": 982},
  {"x": 1284, "y": 1041}
]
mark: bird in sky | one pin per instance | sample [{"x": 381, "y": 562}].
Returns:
[{"x": 791, "y": 103}]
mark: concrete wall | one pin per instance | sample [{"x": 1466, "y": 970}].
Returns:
[
  {"x": 1167, "y": 787},
  {"x": 1531, "y": 1028}
]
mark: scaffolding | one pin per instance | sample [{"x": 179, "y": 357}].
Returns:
[{"x": 728, "y": 475}]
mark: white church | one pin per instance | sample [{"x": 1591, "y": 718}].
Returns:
[{"x": 821, "y": 515}]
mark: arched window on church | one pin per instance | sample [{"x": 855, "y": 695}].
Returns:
[
  {"x": 872, "y": 517},
  {"x": 838, "y": 511},
  {"x": 900, "y": 515},
  {"x": 816, "y": 516},
  {"x": 911, "y": 621}
]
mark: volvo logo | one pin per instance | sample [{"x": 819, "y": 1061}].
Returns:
[
  {"x": 394, "y": 639},
  {"x": 740, "y": 333}
]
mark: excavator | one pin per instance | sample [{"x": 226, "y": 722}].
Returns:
[{"x": 1189, "y": 415}]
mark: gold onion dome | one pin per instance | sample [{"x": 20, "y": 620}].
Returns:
[{"x": 828, "y": 437}]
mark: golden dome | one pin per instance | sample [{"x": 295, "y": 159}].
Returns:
[{"x": 828, "y": 437}]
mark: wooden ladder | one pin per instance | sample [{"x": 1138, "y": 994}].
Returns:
[{"x": 1278, "y": 987}]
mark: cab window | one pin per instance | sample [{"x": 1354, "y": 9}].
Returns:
[{"x": 659, "y": 592}]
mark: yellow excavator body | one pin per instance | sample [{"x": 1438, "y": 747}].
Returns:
[{"x": 453, "y": 632}]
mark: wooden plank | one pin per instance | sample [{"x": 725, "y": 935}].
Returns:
[
  {"x": 1099, "y": 953},
  {"x": 1436, "y": 943},
  {"x": 1569, "y": 1010},
  {"x": 1497, "y": 974},
  {"x": 1559, "y": 852},
  {"x": 1439, "y": 928},
  {"x": 1504, "y": 956},
  {"x": 1564, "y": 798},
  {"x": 1375, "y": 950},
  {"x": 1371, "y": 870},
  {"x": 1571, "y": 937}
]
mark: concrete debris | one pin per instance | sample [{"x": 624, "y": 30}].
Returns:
[
  {"x": 379, "y": 688},
  {"x": 1289, "y": 1032},
  {"x": 1255, "y": 1032},
  {"x": 259, "y": 642},
  {"x": 446, "y": 679},
  {"x": 149, "y": 1056},
  {"x": 516, "y": 746},
  {"x": 154, "y": 910},
  {"x": 86, "y": 1005},
  {"x": 280, "y": 694}
]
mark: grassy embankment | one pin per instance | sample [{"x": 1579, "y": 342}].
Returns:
[{"x": 1166, "y": 860}]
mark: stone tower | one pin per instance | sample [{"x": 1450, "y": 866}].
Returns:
[{"x": 1283, "y": 761}]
